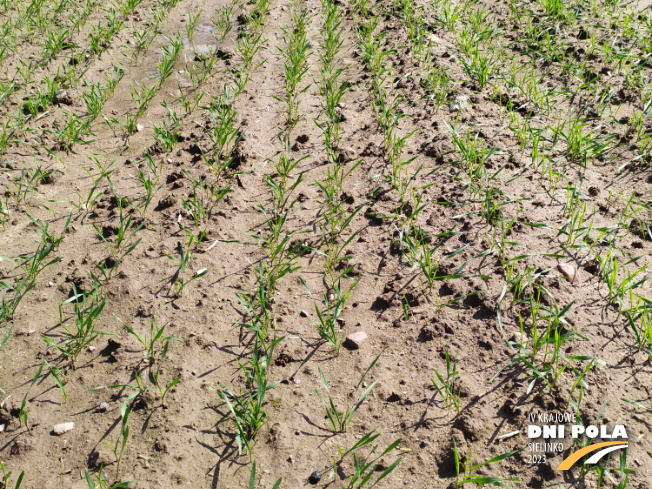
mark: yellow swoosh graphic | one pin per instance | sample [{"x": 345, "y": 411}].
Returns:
[{"x": 575, "y": 456}]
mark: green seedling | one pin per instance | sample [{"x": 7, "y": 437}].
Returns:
[
  {"x": 23, "y": 417},
  {"x": 156, "y": 375},
  {"x": 122, "y": 239},
  {"x": 365, "y": 468},
  {"x": 140, "y": 388},
  {"x": 180, "y": 279},
  {"x": 87, "y": 308},
  {"x": 19, "y": 289},
  {"x": 51, "y": 237},
  {"x": 543, "y": 354},
  {"x": 120, "y": 444},
  {"x": 145, "y": 179},
  {"x": 258, "y": 306},
  {"x": 247, "y": 408},
  {"x": 166, "y": 63},
  {"x": 252, "y": 479},
  {"x": 32, "y": 266},
  {"x": 328, "y": 318},
  {"x": 226, "y": 133},
  {"x": 203, "y": 200},
  {"x": 447, "y": 388},
  {"x": 25, "y": 184},
  {"x": 280, "y": 254},
  {"x": 167, "y": 134},
  {"x": 6, "y": 475},
  {"x": 191, "y": 24},
  {"x": 468, "y": 477},
  {"x": 479, "y": 66},
  {"x": 155, "y": 337},
  {"x": 340, "y": 420},
  {"x": 101, "y": 483}
]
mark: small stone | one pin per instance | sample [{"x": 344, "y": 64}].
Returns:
[
  {"x": 103, "y": 407},
  {"x": 424, "y": 444},
  {"x": 569, "y": 272},
  {"x": 63, "y": 98},
  {"x": 92, "y": 348},
  {"x": 355, "y": 340},
  {"x": 62, "y": 428},
  {"x": 50, "y": 284},
  {"x": 303, "y": 314},
  {"x": 139, "y": 127},
  {"x": 459, "y": 103},
  {"x": 315, "y": 477}
]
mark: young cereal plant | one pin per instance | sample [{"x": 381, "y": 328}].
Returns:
[
  {"x": 468, "y": 477},
  {"x": 247, "y": 408},
  {"x": 19, "y": 289},
  {"x": 328, "y": 318},
  {"x": 51, "y": 237},
  {"x": 32, "y": 266},
  {"x": 365, "y": 468},
  {"x": 296, "y": 51},
  {"x": 150, "y": 342},
  {"x": 167, "y": 134},
  {"x": 340, "y": 420},
  {"x": 479, "y": 66},
  {"x": 641, "y": 312},
  {"x": 223, "y": 22},
  {"x": 156, "y": 349},
  {"x": 101, "y": 483},
  {"x": 122, "y": 239},
  {"x": 163, "y": 389},
  {"x": 86, "y": 312},
  {"x": 544, "y": 354},
  {"x": 252, "y": 479},
  {"x": 435, "y": 82},
  {"x": 180, "y": 279},
  {"x": 6, "y": 475},
  {"x": 226, "y": 133},
  {"x": 149, "y": 185},
  {"x": 22, "y": 414},
  {"x": 25, "y": 184},
  {"x": 203, "y": 200},
  {"x": 473, "y": 157},
  {"x": 447, "y": 388},
  {"x": 191, "y": 25},
  {"x": 120, "y": 444}
]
